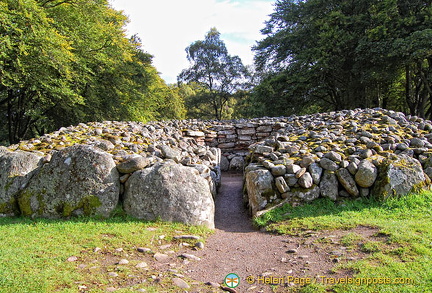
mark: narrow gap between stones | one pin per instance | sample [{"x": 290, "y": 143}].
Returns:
[{"x": 231, "y": 215}]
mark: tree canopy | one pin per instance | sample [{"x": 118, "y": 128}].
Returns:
[
  {"x": 335, "y": 54},
  {"x": 69, "y": 61},
  {"x": 219, "y": 75}
]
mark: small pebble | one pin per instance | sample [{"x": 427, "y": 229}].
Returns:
[
  {"x": 213, "y": 284},
  {"x": 123, "y": 262},
  {"x": 72, "y": 258},
  {"x": 180, "y": 283},
  {"x": 190, "y": 256},
  {"x": 141, "y": 265},
  {"x": 199, "y": 245},
  {"x": 143, "y": 249},
  {"x": 191, "y": 237}
]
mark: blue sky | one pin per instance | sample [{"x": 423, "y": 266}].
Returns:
[{"x": 167, "y": 27}]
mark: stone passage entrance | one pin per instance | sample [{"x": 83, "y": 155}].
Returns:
[{"x": 231, "y": 215}]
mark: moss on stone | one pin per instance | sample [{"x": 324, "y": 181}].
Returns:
[
  {"x": 9, "y": 208},
  {"x": 24, "y": 203},
  {"x": 88, "y": 204},
  {"x": 380, "y": 192}
]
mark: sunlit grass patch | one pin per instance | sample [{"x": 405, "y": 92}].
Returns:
[
  {"x": 34, "y": 253},
  {"x": 398, "y": 258}
]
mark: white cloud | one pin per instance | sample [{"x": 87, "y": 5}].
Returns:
[{"x": 167, "y": 27}]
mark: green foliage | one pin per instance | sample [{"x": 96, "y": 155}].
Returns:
[
  {"x": 65, "y": 62},
  {"x": 331, "y": 55},
  {"x": 214, "y": 77},
  {"x": 35, "y": 66}
]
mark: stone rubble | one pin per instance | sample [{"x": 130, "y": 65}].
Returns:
[{"x": 337, "y": 155}]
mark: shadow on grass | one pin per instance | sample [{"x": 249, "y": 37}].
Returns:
[{"x": 118, "y": 217}]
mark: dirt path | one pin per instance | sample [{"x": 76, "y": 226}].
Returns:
[{"x": 237, "y": 247}]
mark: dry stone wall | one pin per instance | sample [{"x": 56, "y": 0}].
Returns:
[{"x": 338, "y": 155}]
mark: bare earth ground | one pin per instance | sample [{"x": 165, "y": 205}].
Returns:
[{"x": 238, "y": 247}]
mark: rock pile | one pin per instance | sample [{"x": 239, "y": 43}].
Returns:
[
  {"x": 90, "y": 169},
  {"x": 347, "y": 154},
  {"x": 171, "y": 169}
]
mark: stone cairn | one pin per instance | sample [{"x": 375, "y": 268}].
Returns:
[{"x": 171, "y": 170}]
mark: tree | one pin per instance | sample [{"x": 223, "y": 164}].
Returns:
[
  {"x": 68, "y": 61},
  {"x": 345, "y": 54},
  {"x": 35, "y": 67},
  {"x": 214, "y": 69}
]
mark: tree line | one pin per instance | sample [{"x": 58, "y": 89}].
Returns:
[
  {"x": 68, "y": 61},
  {"x": 339, "y": 54}
]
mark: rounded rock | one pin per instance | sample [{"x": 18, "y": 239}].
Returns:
[
  {"x": 306, "y": 180},
  {"x": 328, "y": 164},
  {"x": 366, "y": 174}
]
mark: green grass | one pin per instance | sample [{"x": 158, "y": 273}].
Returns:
[
  {"x": 404, "y": 254},
  {"x": 34, "y": 253}
]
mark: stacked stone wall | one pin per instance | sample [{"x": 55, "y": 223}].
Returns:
[{"x": 233, "y": 137}]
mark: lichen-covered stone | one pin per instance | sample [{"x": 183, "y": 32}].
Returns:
[
  {"x": 329, "y": 185},
  {"x": 399, "y": 177},
  {"x": 316, "y": 171},
  {"x": 305, "y": 195},
  {"x": 278, "y": 170},
  {"x": 16, "y": 169},
  {"x": 237, "y": 163},
  {"x": 133, "y": 164},
  {"x": 171, "y": 153},
  {"x": 281, "y": 184},
  {"x": 306, "y": 180},
  {"x": 328, "y": 164},
  {"x": 79, "y": 180},
  {"x": 259, "y": 187},
  {"x": 170, "y": 192},
  {"x": 347, "y": 182}
]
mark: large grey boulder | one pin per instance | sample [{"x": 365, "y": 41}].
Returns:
[
  {"x": 399, "y": 177},
  {"x": 260, "y": 189},
  {"x": 237, "y": 163},
  {"x": 79, "y": 180},
  {"x": 224, "y": 163},
  {"x": 16, "y": 168},
  {"x": 170, "y": 192}
]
